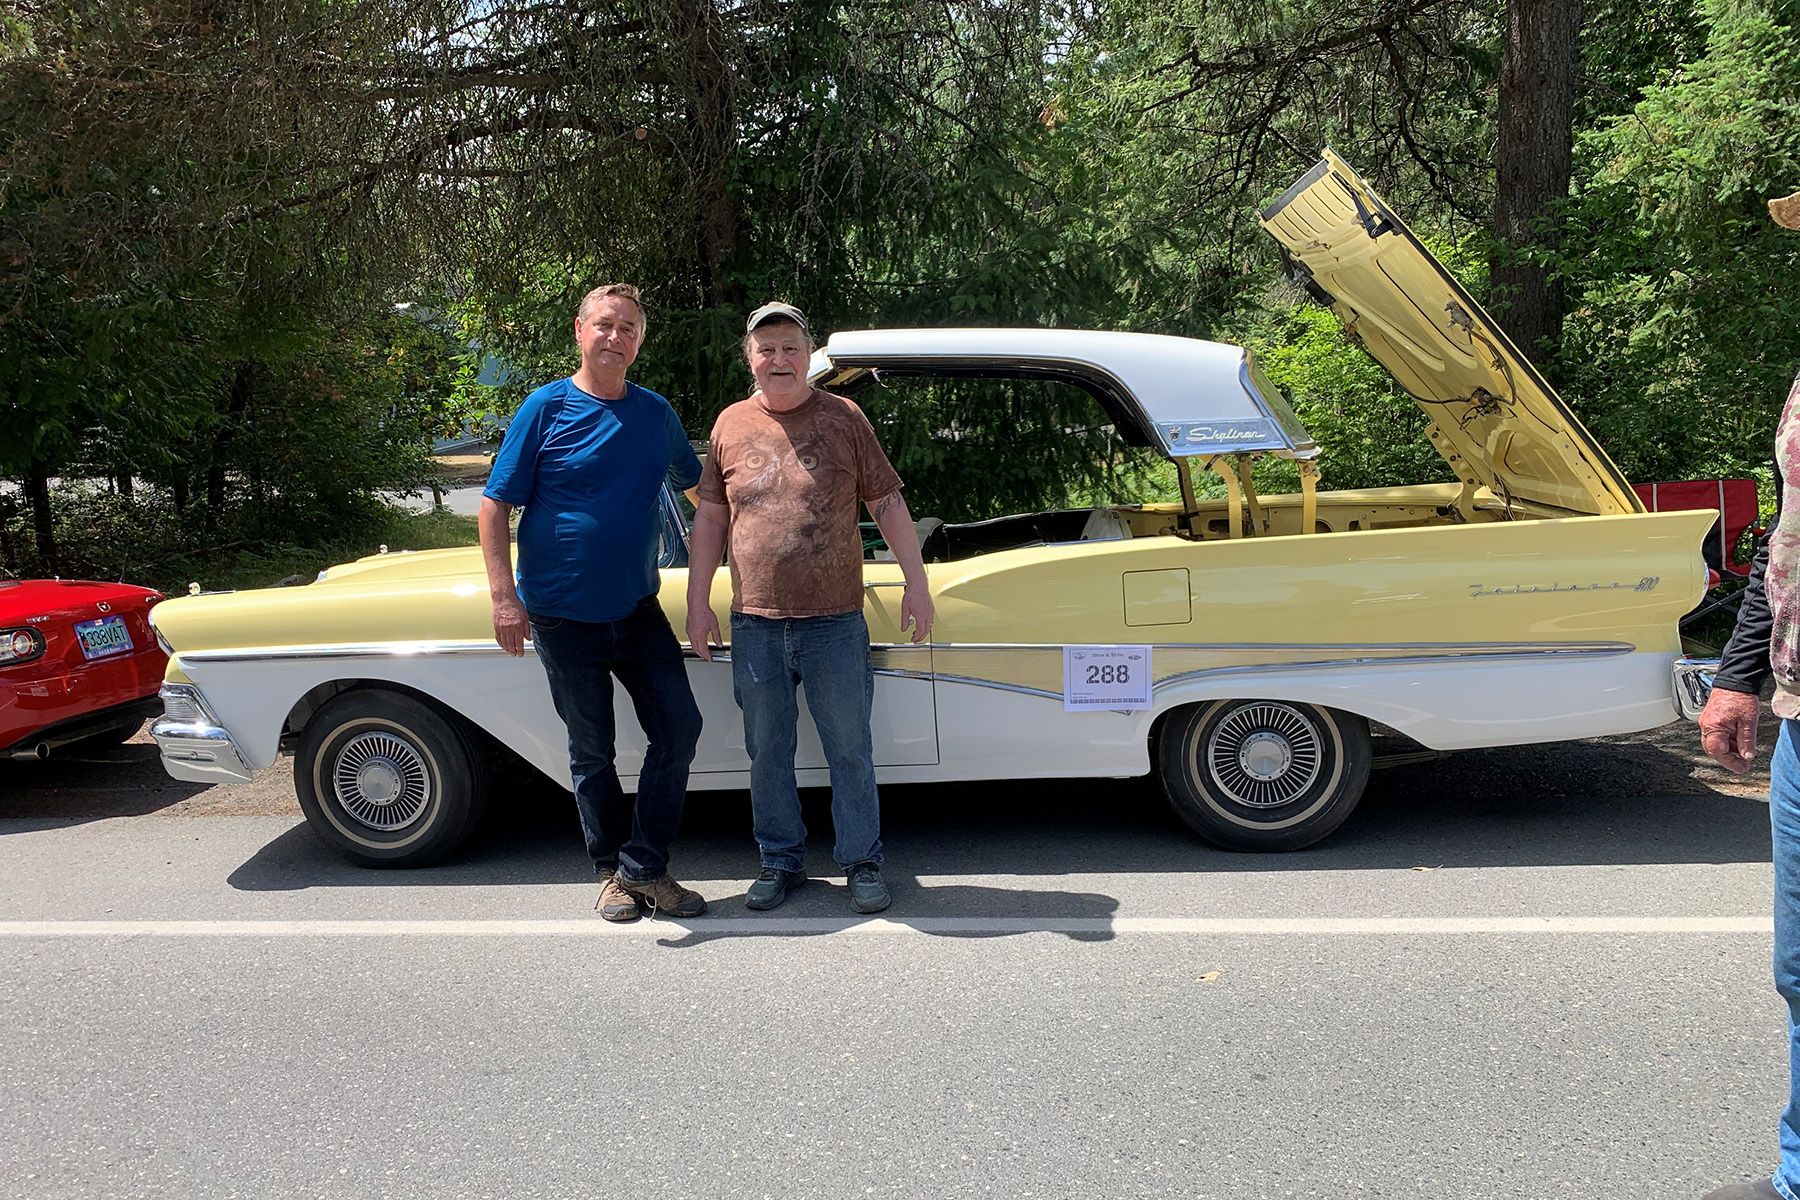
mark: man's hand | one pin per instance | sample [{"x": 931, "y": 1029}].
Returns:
[
  {"x": 1728, "y": 728},
  {"x": 510, "y": 625},
  {"x": 917, "y": 611},
  {"x": 703, "y": 630}
]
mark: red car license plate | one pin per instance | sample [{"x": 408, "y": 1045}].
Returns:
[{"x": 103, "y": 638}]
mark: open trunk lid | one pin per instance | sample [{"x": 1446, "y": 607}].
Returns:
[{"x": 1493, "y": 417}]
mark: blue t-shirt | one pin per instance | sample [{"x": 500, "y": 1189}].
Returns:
[{"x": 588, "y": 473}]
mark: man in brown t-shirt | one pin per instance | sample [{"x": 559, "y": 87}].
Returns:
[{"x": 784, "y": 476}]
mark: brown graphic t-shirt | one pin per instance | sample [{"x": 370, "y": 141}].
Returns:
[{"x": 794, "y": 482}]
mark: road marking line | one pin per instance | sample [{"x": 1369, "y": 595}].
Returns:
[{"x": 1209, "y": 926}]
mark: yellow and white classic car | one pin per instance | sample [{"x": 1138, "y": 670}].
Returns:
[{"x": 1239, "y": 648}]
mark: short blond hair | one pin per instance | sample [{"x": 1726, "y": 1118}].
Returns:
[{"x": 625, "y": 291}]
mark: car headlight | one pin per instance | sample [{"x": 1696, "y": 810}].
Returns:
[
  {"x": 20, "y": 645},
  {"x": 161, "y": 641}
]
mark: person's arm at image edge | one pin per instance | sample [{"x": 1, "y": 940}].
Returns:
[{"x": 1728, "y": 722}]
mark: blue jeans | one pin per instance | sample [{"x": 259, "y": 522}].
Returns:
[
  {"x": 581, "y": 658},
  {"x": 830, "y": 657},
  {"x": 1784, "y": 824}
]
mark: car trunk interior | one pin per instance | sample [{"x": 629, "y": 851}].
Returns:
[{"x": 1209, "y": 520}]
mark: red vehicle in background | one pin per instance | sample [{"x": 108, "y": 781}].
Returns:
[{"x": 78, "y": 663}]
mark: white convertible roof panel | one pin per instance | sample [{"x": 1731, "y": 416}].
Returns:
[{"x": 1182, "y": 395}]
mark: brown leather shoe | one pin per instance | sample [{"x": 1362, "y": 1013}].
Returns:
[
  {"x": 615, "y": 903},
  {"x": 664, "y": 896},
  {"x": 1762, "y": 1189}
]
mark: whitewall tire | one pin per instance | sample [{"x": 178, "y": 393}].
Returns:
[
  {"x": 1263, "y": 774},
  {"x": 387, "y": 780}
]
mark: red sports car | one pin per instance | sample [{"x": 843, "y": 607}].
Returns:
[{"x": 78, "y": 663}]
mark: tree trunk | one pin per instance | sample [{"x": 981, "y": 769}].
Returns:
[
  {"x": 705, "y": 73},
  {"x": 9, "y": 553},
  {"x": 237, "y": 400},
  {"x": 179, "y": 489},
  {"x": 1537, "y": 111},
  {"x": 37, "y": 492},
  {"x": 704, "y": 77}
]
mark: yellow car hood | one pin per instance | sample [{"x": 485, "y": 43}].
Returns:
[
  {"x": 407, "y": 565},
  {"x": 1493, "y": 417}
]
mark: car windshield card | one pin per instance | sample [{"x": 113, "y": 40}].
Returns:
[
  {"x": 102, "y": 638},
  {"x": 1106, "y": 678}
]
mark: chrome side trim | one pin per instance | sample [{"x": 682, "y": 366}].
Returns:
[
  {"x": 1602, "y": 650},
  {"x": 349, "y": 650},
  {"x": 997, "y": 686},
  {"x": 429, "y": 649},
  {"x": 1693, "y": 679},
  {"x": 1442, "y": 647},
  {"x": 1412, "y": 660},
  {"x": 1435, "y": 653},
  {"x": 435, "y": 649}
]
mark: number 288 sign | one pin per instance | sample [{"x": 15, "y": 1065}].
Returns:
[{"x": 1106, "y": 678}]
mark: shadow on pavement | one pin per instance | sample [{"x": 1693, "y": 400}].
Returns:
[
  {"x": 1619, "y": 801},
  {"x": 80, "y": 784},
  {"x": 926, "y": 908}
]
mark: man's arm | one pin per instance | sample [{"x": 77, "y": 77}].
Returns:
[
  {"x": 902, "y": 537},
  {"x": 510, "y": 622},
  {"x": 706, "y": 547},
  {"x": 684, "y": 464},
  {"x": 1728, "y": 722}
]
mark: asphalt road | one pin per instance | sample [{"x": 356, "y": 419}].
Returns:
[{"x": 1531, "y": 973}]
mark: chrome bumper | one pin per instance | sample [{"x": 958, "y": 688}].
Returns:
[
  {"x": 1693, "y": 684},
  {"x": 194, "y": 746}
]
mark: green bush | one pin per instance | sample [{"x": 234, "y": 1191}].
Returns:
[{"x": 144, "y": 539}]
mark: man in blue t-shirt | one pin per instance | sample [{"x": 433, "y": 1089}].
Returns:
[{"x": 586, "y": 458}]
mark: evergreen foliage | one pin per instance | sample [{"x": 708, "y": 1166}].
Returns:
[{"x": 209, "y": 215}]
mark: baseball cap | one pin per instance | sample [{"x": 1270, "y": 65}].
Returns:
[{"x": 775, "y": 308}]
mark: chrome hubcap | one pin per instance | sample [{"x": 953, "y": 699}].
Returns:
[
  {"x": 1264, "y": 755},
  {"x": 382, "y": 781},
  {"x": 379, "y": 780}
]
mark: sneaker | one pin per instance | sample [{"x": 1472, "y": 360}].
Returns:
[
  {"x": 867, "y": 893},
  {"x": 664, "y": 896},
  {"x": 1762, "y": 1189},
  {"x": 772, "y": 887},
  {"x": 615, "y": 903}
]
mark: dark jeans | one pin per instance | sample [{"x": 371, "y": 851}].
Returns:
[{"x": 581, "y": 658}]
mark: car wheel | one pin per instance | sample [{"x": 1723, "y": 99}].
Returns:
[
  {"x": 389, "y": 781},
  {"x": 1263, "y": 774}
]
